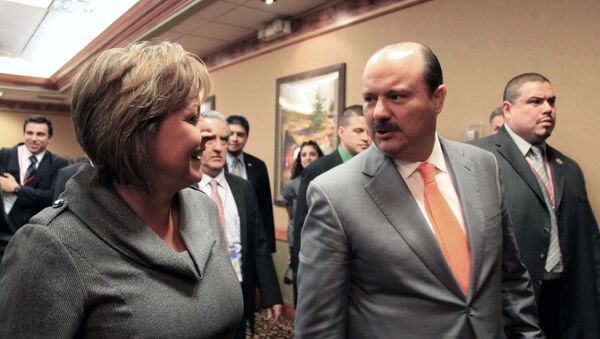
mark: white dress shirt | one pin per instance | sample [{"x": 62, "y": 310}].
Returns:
[{"x": 232, "y": 218}]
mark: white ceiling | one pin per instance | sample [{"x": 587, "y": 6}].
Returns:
[
  {"x": 218, "y": 25},
  {"x": 227, "y": 21}
]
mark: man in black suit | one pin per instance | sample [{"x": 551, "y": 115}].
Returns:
[
  {"x": 27, "y": 172},
  {"x": 353, "y": 134},
  {"x": 64, "y": 174},
  {"x": 555, "y": 227},
  {"x": 252, "y": 169},
  {"x": 237, "y": 205}
]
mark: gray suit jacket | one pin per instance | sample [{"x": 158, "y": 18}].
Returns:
[
  {"x": 370, "y": 267},
  {"x": 88, "y": 267}
]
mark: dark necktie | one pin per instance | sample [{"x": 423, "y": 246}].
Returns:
[{"x": 30, "y": 170}]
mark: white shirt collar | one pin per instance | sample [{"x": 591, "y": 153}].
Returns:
[
  {"x": 436, "y": 158},
  {"x": 523, "y": 145},
  {"x": 26, "y": 154},
  {"x": 220, "y": 178}
]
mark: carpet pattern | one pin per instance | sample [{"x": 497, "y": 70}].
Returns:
[{"x": 284, "y": 329}]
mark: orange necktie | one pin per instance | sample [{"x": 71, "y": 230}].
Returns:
[{"x": 451, "y": 237}]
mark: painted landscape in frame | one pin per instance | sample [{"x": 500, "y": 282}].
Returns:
[{"x": 307, "y": 108}]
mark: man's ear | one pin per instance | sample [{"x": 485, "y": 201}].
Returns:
[
  {"x": 506, "y": 110},
  {"x": 341, "y": 131},
  {"x": 439, "y": 96}
]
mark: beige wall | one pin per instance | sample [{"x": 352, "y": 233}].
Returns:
[
  {"x": 63, "y": 141},
  {"x": 481, "y": 44}
]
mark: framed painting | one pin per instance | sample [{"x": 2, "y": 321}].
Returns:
[{"x": 307, "y": 108}]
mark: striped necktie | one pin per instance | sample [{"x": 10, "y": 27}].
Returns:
[
  {"x": 536, "y": 157},
  {"x": 30, "y": 170}
]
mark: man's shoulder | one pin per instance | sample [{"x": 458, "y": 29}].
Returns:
[
  {"x": 486, "y": 143},
  {"x": 253, "y": 159},
  {"x": 234, "y": 180},
  {"x": 323, "y": 164}
]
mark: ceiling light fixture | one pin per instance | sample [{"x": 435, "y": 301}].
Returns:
[{"x": 269, "y": 2}]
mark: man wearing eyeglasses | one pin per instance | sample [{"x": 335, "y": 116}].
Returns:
[{"x": 243, "y": 232}]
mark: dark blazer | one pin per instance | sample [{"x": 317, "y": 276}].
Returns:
[
  {"x": 370, "y": 266},
  {"x": 578, "y": 230},
  {"x": 257, "y": 264},
  {"x": 312, "y": 171},
  {"x": 256, "y": 170},
  {"x": 64, "y": 174},
  {"x": 38, "y": 194}
]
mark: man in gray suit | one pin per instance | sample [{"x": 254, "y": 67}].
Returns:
[
  {"x": 385, "y": 254},
  {"x": 546, "y": 198}
]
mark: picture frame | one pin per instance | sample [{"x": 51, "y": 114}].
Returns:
[
  {"x": 208, "y": 104},
  {"x": 307, "y": 107}
]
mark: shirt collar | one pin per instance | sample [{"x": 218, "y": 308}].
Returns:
[
  {"x": 220, "y": 178},
  {"x": 523, "y": 145},
  {"x": 436, "y": 158},
  {"x": 343, "y": 154},
  {"x": 231, "y": 158},
  {"x": 26, "y": 154}
]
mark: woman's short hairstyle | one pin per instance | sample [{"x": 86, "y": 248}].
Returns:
[{"x": 119, "y": 99}]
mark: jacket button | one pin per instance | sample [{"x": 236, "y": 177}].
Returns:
[
  {"x": 542, "y": 256},
  {"x": 58, "y": 203},
  {"x": 547, "y": 230},
  {"x": 539, "y": 282}
]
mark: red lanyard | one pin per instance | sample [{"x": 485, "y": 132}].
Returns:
[{"x": 549, "y": 190}]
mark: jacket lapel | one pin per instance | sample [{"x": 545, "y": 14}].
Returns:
[
  {"x": 13, "y": 164},
  {"x": 558, "y": 174},
  {"x": 249, "y": 167},
  {"x": 508, "y": 150},
  {"x": 467, "y": 189},
  {"x": 238, "y": 196},
  {"x": 390, "y": 193}
]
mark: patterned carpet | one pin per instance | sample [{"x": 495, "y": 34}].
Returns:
[{"x": 284, "y": 329}]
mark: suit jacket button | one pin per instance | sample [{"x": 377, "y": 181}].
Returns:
[
  {"x": 539, "y": 282},
  {"x": 542, "y": 256},
  {"x": 58, "y": 203},
  {"x": 547, "y": 230}
]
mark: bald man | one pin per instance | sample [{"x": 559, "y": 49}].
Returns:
[{"x": 410, "y": 238}]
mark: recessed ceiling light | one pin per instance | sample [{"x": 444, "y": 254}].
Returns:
[{"x": 269, "y": 2}]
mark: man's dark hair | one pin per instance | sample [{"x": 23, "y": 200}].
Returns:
[
  {"x": 496, "y": 112},
  {"x": 432, "y": 74},
  {"x": 511, "y": 90},
  {"x": 239, "y": 120},
  {"x": 349, "y": 112},
  {"x": 39, "y": 119}
]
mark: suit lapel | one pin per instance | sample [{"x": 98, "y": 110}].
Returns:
[
  {"x": 467, "y": 189},
  {"x": 390, "y": 193},
  {"x": 558, "y": 174},
  {"x": 508, "y": 150},
  {"x": 238, "y": 197},
  {"x": 249, "y": 167},
  {"x": 13, "y": 164}
]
